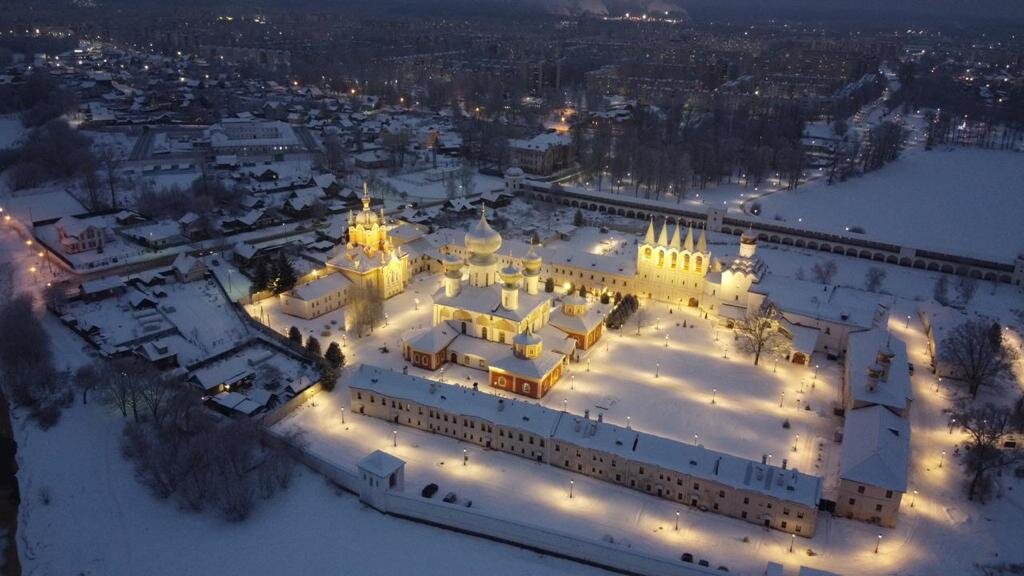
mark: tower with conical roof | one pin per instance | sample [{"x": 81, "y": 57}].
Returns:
[
  {"x": 510, "y": 277},
  {"x": 531, "y": 271}
]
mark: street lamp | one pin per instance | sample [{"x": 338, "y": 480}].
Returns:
[
  {"x": 769, "y": 459},
  {"x": 657, "y": 369},
  {"x": 714, "y": 393},
  {"x": 416, "y": 301},
  {"x": 696, "y": 437},
  {"x": 937, "y": 382},
  {"x": 627, "y": 423},
  {"x": 565, "y": 405},
  {"x": 942, "y": 458},
  {"x": 816, "y": 366},
  {"x": 342, "y": 415},
  {"x": 877, "y": 542},
  {"x": 394, "y": 438},
  {"x": 677, "y": 521},
  {"x": 914, "y": 499},
  {"x": 588, "y": 364},
  {"x": 572, "y": 382},
  {"x": 571, "y": 484},
  {"x": 792, "y": 539},
  {"x": 666, "y": 340},
  {"x": 796, "y": 441},
  {"x": 907, "y": 325},
  {"x": 385, "y": 319},
  {"x": 782, "y": 398},
  {"x": 775, "y": 365},
  {"x": 952, "y": 424},
  {"x": 465, "y": 456}
]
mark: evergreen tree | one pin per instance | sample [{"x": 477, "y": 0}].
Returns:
[
  {"x": 941, "y": 291},
  {"x": 549, "y": 285},
  {"x": 334, "y": 356},
  {"x": 294, "y": 335},
  {"x": 313, "y": 345},
  {"x": 577, "y": 219},
  {"x": 285, "y": 274},
  {"x": 260, "y": 276}
]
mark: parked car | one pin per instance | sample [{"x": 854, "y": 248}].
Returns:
[
  {"x": 687, "y": 557},
  {"x": 450, "y": 498},
  {"x": 703, "y": 563},
  {"x": 429, "y": 490},
  {"x": 469, "y": 504},
  {"x": 723, "y": 569}
]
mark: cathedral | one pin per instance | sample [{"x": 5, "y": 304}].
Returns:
[
  {"x": 371, "y": 260},
  {"x": 498, "y": 319}
]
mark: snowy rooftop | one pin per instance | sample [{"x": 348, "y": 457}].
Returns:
[
  {"x": 876, "y": 448},
  {"x": 696, "y": 461},
  {"x": 487, "y": 300},
  {"x": 458, "y": 400},
  {"x": 838, "y": 304},
  {"x": 863, "y": 352},
  {"x": 320, "y": 287}
]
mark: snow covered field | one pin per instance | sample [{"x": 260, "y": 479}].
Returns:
[
  {"x": 942, "y": 200},
  {"x": 11, "y": 131},
  {"x": 100, "y": 521}
]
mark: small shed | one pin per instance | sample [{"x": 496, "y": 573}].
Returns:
[{"x": 380, "y": 473}]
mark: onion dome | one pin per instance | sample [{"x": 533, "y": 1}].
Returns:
[
  {"x": 748, "y": 237},
  {"x": 532, "y": 261},
  {"x": 510, "y": 275},
  {"x": 514, "y": 172},
  {"x": 481, "y": 238}
]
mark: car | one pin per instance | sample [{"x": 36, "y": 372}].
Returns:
[
  {"x": 469, "y": 504},
  {"x": 687, "y": 557},
  {"x": 451, "y": 498},
  {"x": 703, "y": 563},
  {"x": 723, "y": 569},
  {"x": 429, "y": 490}
]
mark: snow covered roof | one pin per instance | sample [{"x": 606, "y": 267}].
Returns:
[
  {"x": 876, "y": 448},
  {"x": 331, "y": 283},
  {"x": 459, "y": 400},
  {"x": 431, "y": 340},
  {"x": 877, "y": 370},
  {"x": 487, "y": 300},
  {"x": 380, "y": 464},
  {"x": 696, "y": 461},
  {"x": 836, "y": 304}
]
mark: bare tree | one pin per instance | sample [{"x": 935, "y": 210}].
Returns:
[
  {"x": 759, "y": 332},
  {"x": 466, "y": 173},
  {"x": 87, "y": 378},
  {"x": 825, "y": 272},
  {"x": 269, "y": 376},
  {"x": 364, "y": 309},
  {"x": 978, "y": 354},
  {"x": 965, "y": 289},
  {"x": 124, "y": 383},
  {"x": 988, "y": 426},
  {"x": 874, "y": 278},
  {"x": 110, "y": 162}
]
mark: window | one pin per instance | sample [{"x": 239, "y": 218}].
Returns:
[
  {"x": 851, "y": 501},
  {"x": 721, "y": 493},
  {"x": 888, "y": 493},
  {"x": 696, "y": 486},
  {"x": 878, "y": 507},
  {"x": 526, "y": 387},
  {"x": 860, "y": 489},
  {"x": 746, "y": 500},
  {"x": 783, "y": 525}
]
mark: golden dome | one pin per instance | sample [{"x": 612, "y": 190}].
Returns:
[{"x": 481, "y": 239}]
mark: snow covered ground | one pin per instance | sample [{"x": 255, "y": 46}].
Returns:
[
  {"x": 944, "y": 200},
  {"x": 11, "y": 131},
  {"x": 100, "y": 521},
  {"x": 940, "y": 534}
]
